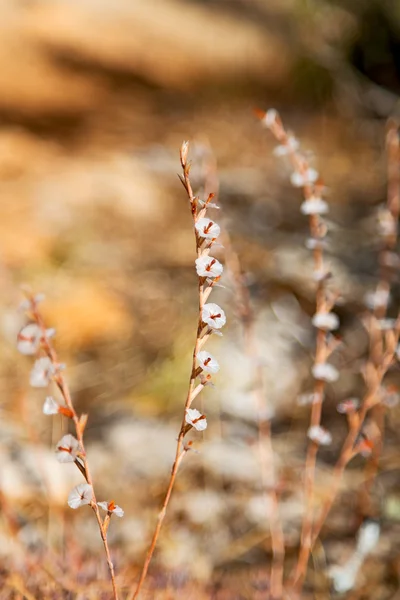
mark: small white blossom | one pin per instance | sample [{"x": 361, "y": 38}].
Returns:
[
  {"x": 305, "y": 399},
  {"x": 207, "y": 229},
  {"x": 291, "y": 146},
  {"x": 319, "y": 435},
  {"x": 344, "y": 577},
  {"x": 112, "y": 508},
  {"x": 348, "y": 406},
  {"x": 328, "y": 321},
  {"x": 207, "y": 362},
  {"x": 67, "y": 449},
  {"x": 50, "y": 406},
  {"x": 270, "y": 117},
  {"x": 299, "y": 179},
  {"x": 29, "y": 339},
  {"x": 315, "y": 243},
  {"x": 207, "y": 266},
  {"x": 42, "y": 372},
  {"x": 377, "y": 299},
  {"x": 325, "y": 372},
  {"x": 368, "y": 537},
  {"x": 314, "y": 206},
  {"x": 213, "y": 316},
  {"x": 196, "y": 419},
  {"x": 80, "y": 495}
]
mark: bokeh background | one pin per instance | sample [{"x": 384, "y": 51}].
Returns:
[{"x": 95, "y": 100}]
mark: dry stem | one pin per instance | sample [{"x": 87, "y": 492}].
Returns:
[
  {"x": 204, "y": 291},
  {"x": 382, "y": 351},
  {"x": 323, "y": 304}
]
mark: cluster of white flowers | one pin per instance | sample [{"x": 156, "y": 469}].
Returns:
[
  {"x": 33, "y": 339},
  {"x": 313, "y": 206},
  {"x": 213, "y": 318}
]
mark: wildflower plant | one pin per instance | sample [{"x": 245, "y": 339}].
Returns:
[
  {"x": 314, "y": 206},
  {"x": 35, "y": 339},
  {"x": 383, "y": 337},
  {"x": 211, "y": 318}
]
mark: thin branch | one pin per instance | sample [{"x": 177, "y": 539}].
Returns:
[
  {"x": 205, "y": 285},
  {"x": 79, "y": 422},
  {"x": 304, "y": 177}
]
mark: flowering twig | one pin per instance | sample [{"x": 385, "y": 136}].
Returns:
[
  {"x": 383, "y": 333},
  {"x": 210, "y": 319},
  {"x": 35, "y": 339},
  {"x": 383, "y": 338},
  {"x": 314, "y": 206}
]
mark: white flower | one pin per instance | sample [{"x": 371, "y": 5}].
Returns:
[
  {"x": 328, "y": 321},
  {"x": 80, "y": 495},
  {"x": 325, "y": 372},
  {"x": 305, "y": 399},
  {"x": 315, "y": 243},
  {"x": 112, "y": 508},
  {"x": 207, "y": 229},
  {"x": 319, "y": 435},
  {"x": 42, "y": 372},
  {"x": 207, "y": 266},
  {"x": 67, "y": 449},
  {"x": 348, "y": 406},
  {"x": 50, "y": 406},
  {"x": 368, "y": 537},
  {"x": 344, "y": 577},
  {"x": 270, "y": 117},
  {"x": 314, "y": 206},
  {"x": 196, "y": 419},
  {"x": 207, "y": 362},
  {"x": 299, "y": 180},
  {"x": 291, "y": 146},
  {"x": 28, "y": 339},
  {"x": 377, "y": 299},
  {"x": 213, "y": 316}
]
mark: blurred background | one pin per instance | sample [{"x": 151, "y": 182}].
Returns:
[{"x": 96, "y": 98}]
